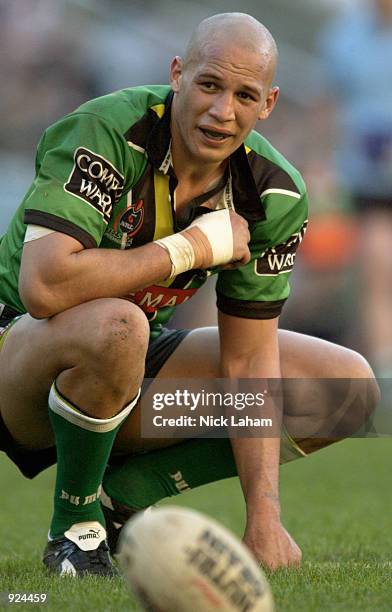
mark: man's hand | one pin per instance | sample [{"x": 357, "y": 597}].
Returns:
[
  {"x": 214, "y": 239},
  {"x": 218, "y": 238},
  {"x": 241, "y": 238},
  {"x": 269, "y": 541},
  {"x": 273, "y": 546}
]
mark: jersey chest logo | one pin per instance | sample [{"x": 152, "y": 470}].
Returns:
[{"x": 130, "y": 222}]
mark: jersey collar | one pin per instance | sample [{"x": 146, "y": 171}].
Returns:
[{"x": 246, "y": 198}]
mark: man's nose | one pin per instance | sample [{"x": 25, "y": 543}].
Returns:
[{"x": 223, "y": 107}]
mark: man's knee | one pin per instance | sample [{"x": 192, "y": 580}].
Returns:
[
  {"x": 119, "y": 330},
  {"x": 108, "y": 346},
  {"x": 362, "y": 397},
  {"x": 121, "y": 325},
  {"x": 335, "y": 406},
  {"x": 106, "y": 336},
  {"x": 361, "y": 369}
]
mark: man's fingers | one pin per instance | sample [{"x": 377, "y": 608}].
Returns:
[
  {"x": 274, "y": 549},
  {"x": 241, "y": 237}
]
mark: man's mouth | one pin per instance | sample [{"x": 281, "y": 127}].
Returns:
[{"x": 213, "y": 135}]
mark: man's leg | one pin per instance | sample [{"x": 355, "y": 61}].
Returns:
[
  {"x": 320, "y": 396},
  {"x": 375, "y": 267},
  {"x": 142, "y": 480},
  {"x": 89, "y": 360}
]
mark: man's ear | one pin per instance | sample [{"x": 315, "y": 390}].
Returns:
[
  {"x": 176, "y": 68},
  {"x": 270, "y": 103}
]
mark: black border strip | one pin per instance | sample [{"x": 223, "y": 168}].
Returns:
[
  {"x": 248, "y": 310},
  {"x": 45, "y": 219}
]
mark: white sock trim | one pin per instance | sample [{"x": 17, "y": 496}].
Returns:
[{"x": 60, "y": 406}]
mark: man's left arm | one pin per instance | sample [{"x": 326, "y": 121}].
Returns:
[{"x": 249, "y": 349}]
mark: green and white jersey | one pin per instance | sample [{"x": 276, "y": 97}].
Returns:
[{"x": 104, "y": 177}]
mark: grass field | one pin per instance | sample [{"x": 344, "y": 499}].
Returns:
[{"x": 337, "y": 504}]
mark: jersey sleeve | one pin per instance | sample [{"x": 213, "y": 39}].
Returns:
[
  {"x": 259, "y": 289},
  {"x": 81, "y": 173}
]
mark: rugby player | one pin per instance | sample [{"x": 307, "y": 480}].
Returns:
[{"x": 138, "y": 196}]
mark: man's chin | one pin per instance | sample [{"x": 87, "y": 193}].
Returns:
[{"x": 205, "y": 155}]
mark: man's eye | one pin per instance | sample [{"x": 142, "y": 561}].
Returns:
[
  {"x": 208, "y": 85},
  {"x": 245, "y": 96}
]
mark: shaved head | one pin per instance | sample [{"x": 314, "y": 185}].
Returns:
[
  {"x": 236, "y": 29},
  {"x": 222, "y": 87}
]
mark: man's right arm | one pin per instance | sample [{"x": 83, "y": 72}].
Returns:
[{"x": 58, "y": 273}]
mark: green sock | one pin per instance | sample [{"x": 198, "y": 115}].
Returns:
[
  {"x": 83, "y": 447},
  {"x": 142, "y": 480}
]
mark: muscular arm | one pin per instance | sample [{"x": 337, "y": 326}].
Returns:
[
  {"x": 249, "y": 349},
  {"x": 57, "y": 272}
]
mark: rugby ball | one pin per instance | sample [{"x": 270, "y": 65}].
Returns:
[{"x": 179, "y": 560}]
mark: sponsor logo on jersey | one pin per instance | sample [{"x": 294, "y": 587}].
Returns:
[
  {"x": 280, "y": 259},
  {"x": 113, "y": 236},
  {"x": 96, "y": 181},
  {"x": 130, "y": 222},
  {"x": 154, "y": 297}
]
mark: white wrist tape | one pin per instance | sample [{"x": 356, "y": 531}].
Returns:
[
  {"x": 180, "y": 251},
  {"x": 216, "y": 226}
]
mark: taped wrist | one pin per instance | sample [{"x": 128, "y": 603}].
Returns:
[
  {"x": 181, "y": 253},
  {"x": 216, "y": 227}
]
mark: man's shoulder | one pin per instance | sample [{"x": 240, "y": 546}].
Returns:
[
  {"x": 270, "y": 168},
  {"x": 125, "y": 107}
]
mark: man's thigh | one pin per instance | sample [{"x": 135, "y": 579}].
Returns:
[
  {"x": 35, "y": 352},
  {"x": 27, "y": 369},
  {"x": 196, "y": 356},
  {"x": 29, "y": 362},
  {"x": 313, "y": 400},
  {"x": 301, "y": 356}
]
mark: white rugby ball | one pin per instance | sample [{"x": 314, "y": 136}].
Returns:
[{"x": 179, "y": 560}]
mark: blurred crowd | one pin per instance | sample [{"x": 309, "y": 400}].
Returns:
[
  {"x": 352, "y": 120},
  {"x": 55, "y": 54}
]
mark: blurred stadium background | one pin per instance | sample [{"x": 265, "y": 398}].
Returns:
[{"x": 55, "y": 54}]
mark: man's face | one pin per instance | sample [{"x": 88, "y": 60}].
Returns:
[{"x": 218, "y": 100}]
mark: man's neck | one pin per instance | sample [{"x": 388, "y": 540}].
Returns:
[
  {"x": 206, "y": 176},
  {"x": 192, "y": 171},
  {"x": 194, "y": 179}
]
